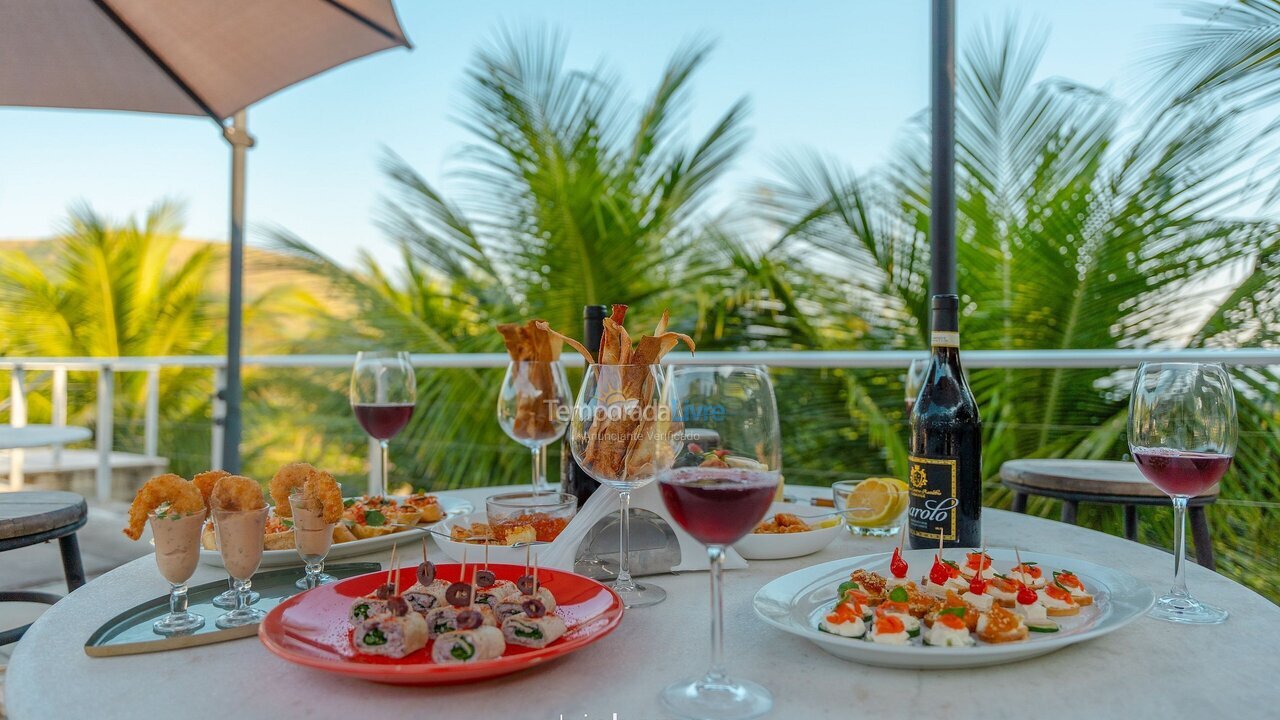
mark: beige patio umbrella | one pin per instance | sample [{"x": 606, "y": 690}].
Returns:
[{"x": 186, "y": 57}]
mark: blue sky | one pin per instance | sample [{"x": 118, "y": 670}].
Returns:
[{"x": 840, "y": 76}]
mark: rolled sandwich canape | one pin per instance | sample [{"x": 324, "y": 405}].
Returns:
[
  {"x": 1000, "y": 626},
  {"x": 375, "y": 603},
  {"x": 949, "y": 630},
  {"x": 534, "y": 627},
  {"x": 490, "y": 591},
  {"x": 845, "y": 620},
  {"x": 528, "y": 588},
  {"x": 473, "y": 642},
  {"x": 396, "y": 633}
]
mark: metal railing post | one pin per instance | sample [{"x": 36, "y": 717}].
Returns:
[
  {"x": 59, "y": 402},
  {"x": 17, "y": 418},
  {"x": 219, "y": 416},
  {"x": 152, "y": 421},
  {"x": 106, "y": 403}
]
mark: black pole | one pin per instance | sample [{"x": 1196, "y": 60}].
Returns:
[{"x": 942, "y": 201}]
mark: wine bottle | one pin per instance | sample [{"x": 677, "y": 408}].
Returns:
[
  {"x": 573, "y": 479},
  {"x": 945, "y": 461}
]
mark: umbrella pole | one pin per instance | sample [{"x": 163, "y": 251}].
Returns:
[{"x": 238, "y": 136}]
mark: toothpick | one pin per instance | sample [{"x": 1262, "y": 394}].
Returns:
[
  {"x": 471, "y": 600},
  {"x": 462, "y": 575},
  {"x": 391, "y": 566},
  {"x": 486, "y": 554},
  {"x": 535, "y": 575},
  {"x": 526, "y": 558},
  {"x": 902, "y": 536},
  {"x": 424, "y": 549},
  {"x": 396, "y": 569}
]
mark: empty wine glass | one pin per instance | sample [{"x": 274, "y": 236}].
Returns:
[
  {"x": 718, "y": 496},
  {"x": 612, "y": 416},
  {"x": 533, "y": 410},
  {"x": 1182, "y": 435},
  {"x": 383, "y": 392}
]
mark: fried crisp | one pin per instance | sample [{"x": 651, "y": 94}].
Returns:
[
  {"x": 234, "y": 493},
  {"x": 179, "y": 494}
]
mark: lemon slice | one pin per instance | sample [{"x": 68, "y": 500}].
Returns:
[
  {"x": 903, "y": 496},
  {"x": 832, "y": 522},
  {"x": 872, "y": 503}
]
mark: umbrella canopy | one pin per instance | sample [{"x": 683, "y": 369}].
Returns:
[
  {"x": 183, "y": 57},
  {"x": 186, "y": 57}
]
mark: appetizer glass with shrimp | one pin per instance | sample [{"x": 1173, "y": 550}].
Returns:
[
  {"x": 312, "y": 499},
  {"x": 718, "y": 498},
  {"x": 175, "y": 510},
  {"x": 240, "y": 520}
]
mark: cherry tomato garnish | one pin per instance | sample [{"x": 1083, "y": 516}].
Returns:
[
  {"x": 897, "y": 565},
  {"x": 1026, "y": 596},
  {"x": 977, "y": 585},
  {"x": 939, "y": 574}
]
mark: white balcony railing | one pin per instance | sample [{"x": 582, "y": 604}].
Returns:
[{"x": 106, "y": 368}]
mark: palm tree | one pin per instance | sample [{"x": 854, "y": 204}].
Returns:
[
  {"x": 120, "y": 289},
  {"x": 569, "y": 196},
  {"x": 1070, "y": 236}
]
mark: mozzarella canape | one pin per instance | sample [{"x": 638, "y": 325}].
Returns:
[
  {"x": 890, "y": 630},
  {"x": 976, "y": 596},
  {"x": 1028, "y": 574},
  {"x": 898, "y": 569},
  {"x": 845, "y": 620},
  {"x": 1068, "y": 581},
  {"x": 972, "y": 561},
  {"x": 1003, "y": 590},
  {"x": 1057, "y": 601},
  {"x": 949, "y": 630},
  {"x": 898, "y": 605}
]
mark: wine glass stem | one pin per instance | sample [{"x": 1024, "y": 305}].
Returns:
[
  {"x": 715, "y": 553},
  {"x": 539, "y": 470},
  {"x": 313, "y": 573},
  {"x": 624, "y": 550},
  {"x": 1179, "y": 547},
  {"x": 177, "y": 598},
  {"x": 382, "y": 489}
]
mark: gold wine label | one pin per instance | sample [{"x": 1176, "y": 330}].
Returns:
[
  {"x": 933, "y": 489},
  {"x": 945, "y": 338}
]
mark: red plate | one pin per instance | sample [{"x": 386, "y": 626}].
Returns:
[{"x": 311, "y": 628}]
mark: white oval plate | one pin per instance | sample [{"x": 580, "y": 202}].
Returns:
[
  {"x": 475, "y": 551},
  {"x": 794, "y": 603},
  {"x": 771, "y": 546},
  {"x": 285, "y": 558}
]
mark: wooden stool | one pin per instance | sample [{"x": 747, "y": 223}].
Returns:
[
  {"x": 1103, "y": 481},
  {"x": 28, "y": 518}
]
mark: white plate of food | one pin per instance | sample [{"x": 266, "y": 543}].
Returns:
[
  {"x": 786, "y": 533},
  {"x": 367, "y": 524},
  {"x": 451, "y": 534},
  {"x": 871, "y": 628}
]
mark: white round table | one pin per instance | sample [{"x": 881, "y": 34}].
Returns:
[{"x": 1148, "y": 669}]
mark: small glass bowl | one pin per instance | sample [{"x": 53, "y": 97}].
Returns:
[
  {"x": 887, "y": 524},
  {"x": 511, "y": 515}
]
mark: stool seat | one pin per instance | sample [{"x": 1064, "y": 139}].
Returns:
[
  {"x": 35, "y": 513},
  {"x": 1086, "y": 477}
]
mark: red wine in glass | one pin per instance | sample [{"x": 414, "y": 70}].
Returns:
[
  {"x": 383, "y": 421},
  {"x": 1179, "y": 472},
  {"x": 718, "y": 506}
]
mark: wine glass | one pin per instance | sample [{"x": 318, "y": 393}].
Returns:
[
  {"x": 177, "y": 538},
  {"x": 313, "y": 537},
  {"x": 240, "y": 535},
  {"x": 1182, "y": 434},
  {"x": 718, "y": 497},
  {"x": 383, "y": 391},
  {"x": 914, "y": 381},
  {"x": 533, "y": 407},
  {"x": 613, "y": 412}
]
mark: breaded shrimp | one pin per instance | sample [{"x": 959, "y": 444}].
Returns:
[
  {"x": 235, "y": 493},
  {"x": 322, "y": 491},
  {"x": 180, "y": 495},
  {"x": 288, "y": 478},
  {"x": 206, "y": 480}
]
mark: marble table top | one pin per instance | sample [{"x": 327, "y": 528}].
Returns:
[{"x": 1147, "y": 669}]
